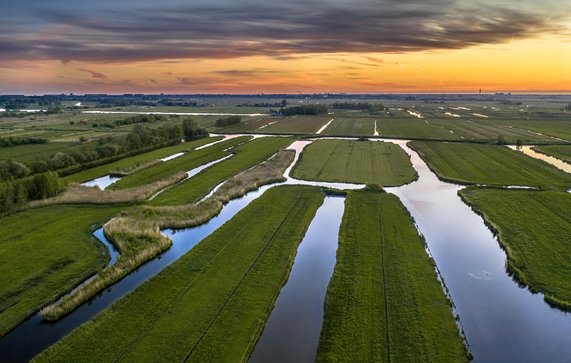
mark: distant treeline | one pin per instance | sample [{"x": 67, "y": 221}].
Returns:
[
  {"x": 13, "y": 141},
  {"x": 317, "y": 109},
  {"x": 227, "y": 121},
  {"x": 141, "y": 137},
  {"x": 363, "y": 106},
  {"x": 283, "y": 103},
  {"x": 16, "y": 193}
]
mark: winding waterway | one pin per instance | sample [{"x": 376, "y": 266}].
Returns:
[{"x": 503, "y": 322}]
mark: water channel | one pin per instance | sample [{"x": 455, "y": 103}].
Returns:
[{"x": 502, "y": 321}]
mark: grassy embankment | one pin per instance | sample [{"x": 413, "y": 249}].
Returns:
[
  {"x": 129, "y": 164},
  {"x": 43, "y": 254},
  {"x": 384, "y": 302},
  {"x": 246, "y": 156},
  {"x": 534, "y": 228},
  {"x": 561, "y": 152},
  {"x": 212, "y": 303},
  {"x": 367, "y": 162},
  {"x": 488, "y": 164},
  {"x": 137, "y": 233}
]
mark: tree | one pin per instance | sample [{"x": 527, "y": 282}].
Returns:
[
  {"x": 191, "y": 130},
  {"x": 284, "y": 103},
  {"x": 519, "y": 144},
  {"x": 501, "y": 140}
]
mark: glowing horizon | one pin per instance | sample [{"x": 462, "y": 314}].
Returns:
[{"x": 297, "y": 47}]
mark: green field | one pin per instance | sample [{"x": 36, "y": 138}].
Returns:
[
  {"x": 186, "y": 162},
  {"x": 488, "y": 164},
  {"x": 211, "y": 304},
  {"x": 365, "y": 162},
  {"x": 137, "y": 159},
  {"x": 297, "y": 125},
  {"x": 27, "y": 153},
  {"x": 43, "y": 254},
  {"x": 535, "y": 230},
  {"x": 384, "y": 302},
  {"x": 562, "y": 152},
  {"x": 246, "y": 156},
  {"x": 351, "y": 126}
]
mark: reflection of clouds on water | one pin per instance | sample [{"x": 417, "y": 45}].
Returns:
[{"x": 481, "y": 275}]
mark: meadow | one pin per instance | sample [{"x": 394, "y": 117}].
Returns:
[
  {"x": 297, "y": 125},
  {"x": 384, "y": 302},
  {"x": 534, "y": 228},
  {"x": 184, "y": 163},
  {"x": 246, "y": 156},
  {"x": 212, "y": 303},
  {"x": 343, "y": 125},
  {"x": 46, "y": 252},
  {"x": 138, "y": 160},
  {"x": 362, "y": 162},
  {"x": 488, "y": 164}
]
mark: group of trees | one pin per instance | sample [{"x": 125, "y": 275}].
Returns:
[
  {"x": 363, "y": 106},
  {"x": 568, "y": 107},
  {"x": 15, "y": 193},
  {"x": 141, "y": 138},
  {"x": 227, "y": 121},
  {"x": 282, "y": 103},
  {"x": 191, "y": 130},
  {"x": 13, "y": 141},
  {"x": 317, "y": 109}
]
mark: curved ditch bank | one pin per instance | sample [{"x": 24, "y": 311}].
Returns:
[
  {"x": 292, "y": 331},
  {"x": 502, "y": 321},
  {"x": 529, "y": 151}
]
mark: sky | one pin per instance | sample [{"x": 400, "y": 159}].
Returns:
[{"x": 243, "y": 46}]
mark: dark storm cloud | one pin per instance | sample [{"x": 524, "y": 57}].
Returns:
[{"x": 227, "y": 29}]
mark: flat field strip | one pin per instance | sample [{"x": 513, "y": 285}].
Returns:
[
  {"x": 297, "y": 124},
  {"x": 211, "y": 304},
  {"x": 246, "y": 156},
  {"x": 535, "y": 230},
  {"x": 45, "y": 253},
  {"x": 183, "y": 163},
  {"x": 138, "y": 159},
  {"x": 488, "y": 164},
  {"x": 360, "y": 126},
  {"x": 384, "y": 302},
  {"x": 365, "y": 162},
  {"x": 249, "y": 125}
]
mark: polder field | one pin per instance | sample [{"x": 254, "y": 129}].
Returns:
[{"x": 208, "y": 216}]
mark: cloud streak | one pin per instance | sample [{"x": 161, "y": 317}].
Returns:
[{"x": 230, "y": 29}]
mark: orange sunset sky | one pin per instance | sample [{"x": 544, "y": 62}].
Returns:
[{"x": 248, "y": 47}]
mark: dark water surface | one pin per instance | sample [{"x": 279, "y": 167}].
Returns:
[{"x": 292, "y": 331}]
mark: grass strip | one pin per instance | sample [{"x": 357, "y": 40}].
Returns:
[
  {"x": 137, "y": 161},
  {"x": 137, "y": 236},
  {"x": 245, "y": 157},
  {"x": 384, "y": 302},
  {"x": 534, "y": 228},
  {"x": 211, "y": 303},
  {"x": 488, "y": 164},
  {"x": 183, "y": 163},
  {"x": 364, "y": 162},
  {"x": 43, "y": 254}
]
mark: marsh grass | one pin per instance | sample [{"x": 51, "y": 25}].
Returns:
[
  {"x": 137, "y": 233},
  {"x": 80, "y": 194}
]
